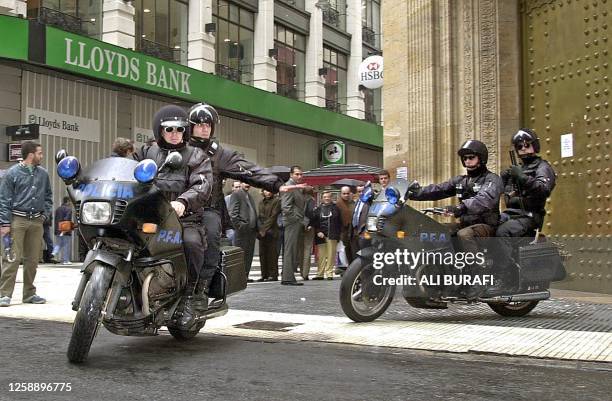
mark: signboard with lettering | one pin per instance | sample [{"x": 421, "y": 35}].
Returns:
[
  {"x": 65, "y": 125},
  {"x": 371, "y": 72},
  {"x": 14, "y": 152}
]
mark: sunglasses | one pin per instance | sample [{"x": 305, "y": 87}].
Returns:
[
  {"x": 523, "y": 145},
  {"x": 468, "y": 157},
  {"x": 172, "y": 129}
]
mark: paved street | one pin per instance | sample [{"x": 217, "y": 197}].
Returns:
[{"x": 275, "y": 339}]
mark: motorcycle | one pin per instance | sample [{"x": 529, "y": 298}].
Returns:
[
  {"x": 427, "y": 281},
  {"x": 134, "y": 275}
]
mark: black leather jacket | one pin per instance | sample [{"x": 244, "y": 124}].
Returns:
[
  {"x": 227, "y": 163},
  {"x": 190, "y": 185},
  {"x": 535, "y": 191},
  {"x": 478, "y": 195}
]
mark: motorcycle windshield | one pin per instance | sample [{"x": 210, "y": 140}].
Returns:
[{"x": 107, "y": 179}]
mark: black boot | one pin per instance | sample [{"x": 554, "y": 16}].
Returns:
[
  {"x": 200, "y": 299},
  {"x": 189, "y": 315}
]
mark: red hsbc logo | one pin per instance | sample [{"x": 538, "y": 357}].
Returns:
[{"x": 373, "y": 66}]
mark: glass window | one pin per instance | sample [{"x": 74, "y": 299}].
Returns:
[
  {"x": 234, "y": 41},
  {"x": 161, "y": 28},
  {"x": 335, "y": 80},
  {"x": 290, "y": 63},
  {"x": 79, "y": 16}
]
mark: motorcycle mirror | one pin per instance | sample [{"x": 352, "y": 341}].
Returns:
[
  {"x": 60, "y": 155},
  {"x": 174, "y": 160}
]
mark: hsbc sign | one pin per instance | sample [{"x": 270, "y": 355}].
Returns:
[{"x": 371, "y": 72}]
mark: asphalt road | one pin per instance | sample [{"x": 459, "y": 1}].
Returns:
[{"x": 229, "y": 368}]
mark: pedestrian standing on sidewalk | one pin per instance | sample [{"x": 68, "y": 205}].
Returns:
[
  {"x": 308, "y": 233},
  {"x": 63, "y": 231},
  {"x": 269, "y": 210},
  {"x": 327, "y": 224},
  {"x": 26, "y": 201}
]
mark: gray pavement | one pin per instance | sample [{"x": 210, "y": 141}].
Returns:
[{"x": 232, "y": 368}]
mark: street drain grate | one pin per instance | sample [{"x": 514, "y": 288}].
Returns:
[{"x": 267, "y": 325}]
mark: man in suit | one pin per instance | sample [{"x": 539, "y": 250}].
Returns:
[
  {"x": 292, "y": 206},
  {"x": 269, "y": 210},
  {"x": 243, "y": 214}
]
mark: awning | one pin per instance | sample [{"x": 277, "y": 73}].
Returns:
[{"x": 328, "y": 174}]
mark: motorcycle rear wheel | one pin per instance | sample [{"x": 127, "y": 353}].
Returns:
[
  {"x": 358, "y": 306},
  {"x": 513, "y": 309},
  {"x": 87, "y": 319},
  {"x": 185, "y": 335}
]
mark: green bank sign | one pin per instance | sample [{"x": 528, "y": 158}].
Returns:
[{"x": 100, "y": 60}]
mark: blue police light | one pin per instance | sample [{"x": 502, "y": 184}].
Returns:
[
  {"x": 366, "y": 195},
  {"x": 393, "y": 195},
  {"x": 68, "y": 167},
  {"x": 145, "y": 171}
]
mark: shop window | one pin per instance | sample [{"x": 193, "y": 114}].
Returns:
[
  {"x": 290, "y": 62},
  {"x": 83, "y": 17},
  {"x": 234, "y": 46},
  {"x": 161, "y": 29}
]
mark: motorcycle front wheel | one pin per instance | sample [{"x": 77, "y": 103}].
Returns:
[
  {"x": 87, "y": 318},
  {"x": 513, "y": 309},
  {"x": 360, "y": 298}
]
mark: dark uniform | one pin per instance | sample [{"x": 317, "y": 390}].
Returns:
[
  {"x": 478, "y": 193},
  {"x": 190, "y": 185},
  {"x": 526, "y": 189},
  {"x": 226, "y": 163}
]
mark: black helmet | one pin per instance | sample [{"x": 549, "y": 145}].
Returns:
[
  {"x": 170, "y": 116},
  {"x": 204, "y": 113},
  {"x": 474, "y": 147},
  {"x": 526, "y": 135}
]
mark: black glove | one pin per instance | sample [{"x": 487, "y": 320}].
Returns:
[
  {"x": 413, "y": 189},
  {"x": 518, "y": 175},
  {"x": 506, "y": 174},
  {"x": 456, "y": 211}
]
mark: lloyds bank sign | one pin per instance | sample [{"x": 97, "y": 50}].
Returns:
[{"x": 104, "y": 61}]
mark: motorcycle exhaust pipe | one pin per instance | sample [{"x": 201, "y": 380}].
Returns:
[
  {"x": 532, "y": 296},
  {"x": 217, "y": 312}
]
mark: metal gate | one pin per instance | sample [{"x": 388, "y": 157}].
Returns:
[{"x": 566, "y": 99}]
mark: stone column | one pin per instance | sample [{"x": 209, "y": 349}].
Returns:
[
  {"x": 201, "y": 45},
  {"x": 355, "y": 99},
  {"x": 264, "y": 66},
  {"x": 118, "y": 26},
  {"x": 14, "y": 7},
  {"x": 455, "y": 76},
  {"x": 315, "y": 84}
]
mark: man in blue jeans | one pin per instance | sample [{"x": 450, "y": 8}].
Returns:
[{"x": 63, "y": 238}]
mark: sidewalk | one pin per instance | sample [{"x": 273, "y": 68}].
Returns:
[{"x": 457, "y": 334}]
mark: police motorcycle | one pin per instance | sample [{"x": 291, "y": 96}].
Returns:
[
  {"x": 397, "y": 229},
  {"x": 134, "y": 275}
]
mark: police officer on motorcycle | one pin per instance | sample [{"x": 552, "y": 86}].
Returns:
[
  {"x": 187, "y": 189},
  {"x": 526, "y": 188},
  {"x": 226, "y": 163},
  {"x": 478, "y": 191}
]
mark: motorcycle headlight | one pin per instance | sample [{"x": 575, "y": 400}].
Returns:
[
  {"x": 96, "y": 213},
  {"x": 393, "y": 195},
  {"x": 372, "y": 220}
]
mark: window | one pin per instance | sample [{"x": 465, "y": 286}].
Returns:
[
  {"x": 234, "y": 47},
  {"x": 79, "y": 16},
  {"x": 161, "y": 29},
  {"x": 335, "y": 79},
  {"x": 370, "y": 21},
  {"x": 291, "y": 47},
  {"x": 335, "y": 13}
]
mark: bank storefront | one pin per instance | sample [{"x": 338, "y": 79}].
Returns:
[{"x": 85, "y": 93}]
